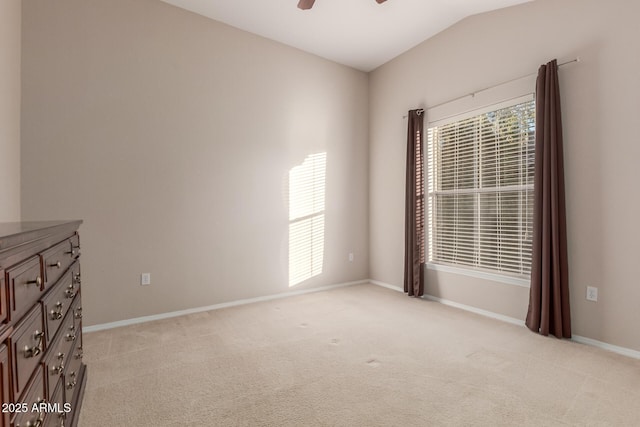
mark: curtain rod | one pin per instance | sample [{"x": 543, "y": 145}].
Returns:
[{"x": 472, "y": 94}]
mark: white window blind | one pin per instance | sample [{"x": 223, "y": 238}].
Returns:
[{"x": 480, "y": 189}]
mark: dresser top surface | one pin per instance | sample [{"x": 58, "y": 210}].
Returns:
[{"x": 15, "y": 233}]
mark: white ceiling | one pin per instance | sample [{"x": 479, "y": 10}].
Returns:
[{"x": 359, "y": 33}]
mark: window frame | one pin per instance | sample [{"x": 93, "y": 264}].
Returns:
[{"x": 462, "y": 269}]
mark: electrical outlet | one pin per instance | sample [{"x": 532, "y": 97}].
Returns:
[
  {"x": 350, "y": 256},
  {"x": 145, "y": 279},
  {"x": 592, "y": 293}
]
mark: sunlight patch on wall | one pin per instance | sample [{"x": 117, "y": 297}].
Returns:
[{"x": 306, "y": 218}]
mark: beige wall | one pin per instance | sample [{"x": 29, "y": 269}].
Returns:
[
  {"x": 171, "y": 136},
  {"x": 10, "y": 39},
  {"x": 601, "y": 101}
]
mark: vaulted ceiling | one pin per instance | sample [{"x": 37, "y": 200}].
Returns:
[{"x": 359, "y": 33}]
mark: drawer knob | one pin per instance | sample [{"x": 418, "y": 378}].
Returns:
[
  {"x": 72, "y": 384},
  {"x": 62, "y": 416},
  {"x": 73, "y": 252},
  {"x": 57, "y": 370},
  {"x": 76, "y": 278},
  {"x": 37, "y": 349},
  {"x": 57, "y": 314},
  {"x": 70, "y": 292},
  {"x": 72, "y": 333},
  {"x": 79, "y": 353},
  {"x": 78, "y": 313},
  {"x": 38, "y": 422},
  {"x": 56, "y": 264},
  {"x": 37, "y": 281}
]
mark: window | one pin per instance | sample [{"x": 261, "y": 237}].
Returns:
[{"x": 480, "y": 189}]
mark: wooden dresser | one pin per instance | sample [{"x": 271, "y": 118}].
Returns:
[{"x": 41, "y": 367}]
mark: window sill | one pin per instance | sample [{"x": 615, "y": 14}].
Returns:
[{"x": 510, "y": 280}]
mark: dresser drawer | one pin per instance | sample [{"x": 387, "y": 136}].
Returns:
[
  {"x": 72, "y": 290},
  {"x": 25, "y": 286},
  {"x": 27, "y": 344},
  {"x": 76, "y": 309},
  {"x": 77, "y": 313},
  {"x": 33, "y": 395},
  {"x": 4, "y": 300},
  {"x": 57, "y": 302},
  {"x": 59, "y": 354},
  {"x": 72, "y": 374},
  {"x": 58, "y": 416},
  {"x": 55, "y": 262},
  {"x": 4, "y": 379},
  {"x": 75, "y": 245}
]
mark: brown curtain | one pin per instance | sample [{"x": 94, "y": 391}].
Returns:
[
  {"x": 414, "y": 207},
  {"x": 549, "y": 295}
]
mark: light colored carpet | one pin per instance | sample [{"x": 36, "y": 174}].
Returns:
[{"x": 356, "y": 356}]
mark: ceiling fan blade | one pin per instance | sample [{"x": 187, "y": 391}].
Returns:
[
  {"x": 305, "y": 4},
  {"x": 380, "y": 1}
]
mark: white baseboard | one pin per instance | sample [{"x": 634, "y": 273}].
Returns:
[
  {"x": 614, "y": 348},
  {"x": 455, "y": 304},
  {"x": 143, "y": 319},
  {"x": 476, "y": 310},
  {"x": 577, "y": 338},
  {"x": 386, "y": 285}
]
